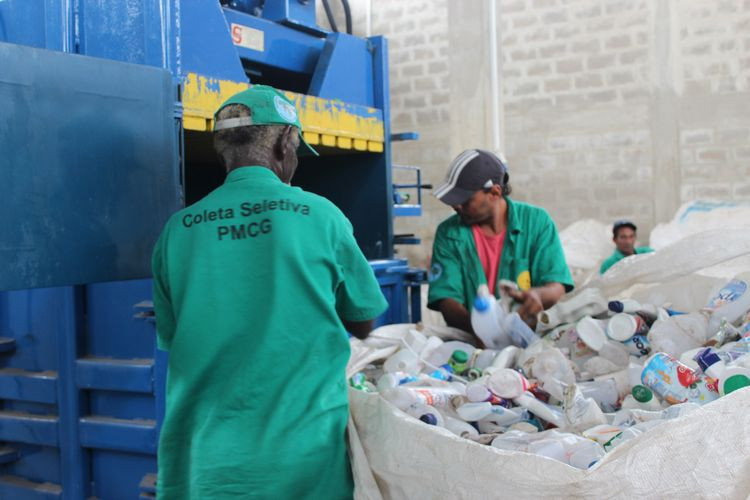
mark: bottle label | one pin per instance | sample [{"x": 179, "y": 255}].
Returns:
[
  {"x": 669, "y": 378},
  {"x": 638, "y": 345},
  {"x": 434, "y": 398},
  {"x": 731, "y": 292}
]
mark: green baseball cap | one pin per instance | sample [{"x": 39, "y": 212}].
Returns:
[{"x": 268, "y": 107}]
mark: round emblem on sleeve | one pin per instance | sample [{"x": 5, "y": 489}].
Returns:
[
  {"x": 524, "y": 281},
  {"x": 436, "y": 271},
  {"x": 285, "y": 110}
]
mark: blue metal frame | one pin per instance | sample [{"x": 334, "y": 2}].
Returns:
[{"x": 82, "y": 384}]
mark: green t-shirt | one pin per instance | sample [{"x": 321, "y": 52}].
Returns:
[
  {"x": 250, "y": 284},
  {"x": 532, "y": 256},
  {"x": 617, "y": 256}
]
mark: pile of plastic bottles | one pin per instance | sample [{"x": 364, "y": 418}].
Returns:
[{"x": 595, "y": 374}]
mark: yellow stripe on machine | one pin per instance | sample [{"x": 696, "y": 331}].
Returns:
[{"x": 324, "y": 121}]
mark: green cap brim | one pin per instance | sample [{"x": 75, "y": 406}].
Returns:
[{"x": 304, "y": 147}]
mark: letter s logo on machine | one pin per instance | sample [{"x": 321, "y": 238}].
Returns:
[{"x": 285, "y": 110}]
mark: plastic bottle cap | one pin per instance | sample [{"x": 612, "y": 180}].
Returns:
[
  {"x": 621, "y": 327},
  {"x": 642, "y": 394},
  {"x": 481, "y": 304},
  {"x": 616, "y": 306},
  {"x": 428, "y": 418},
  {"x": 459, "y": 356},
  {"x": 706, "y": 358},
  {"x": 735, "y": 382}
]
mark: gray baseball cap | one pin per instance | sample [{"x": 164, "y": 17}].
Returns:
[{"x": 469, "y": 172}]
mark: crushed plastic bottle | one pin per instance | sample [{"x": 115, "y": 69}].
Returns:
[
  {"x": 588, "y": 302},
  {"x": 594, "y": 383}
]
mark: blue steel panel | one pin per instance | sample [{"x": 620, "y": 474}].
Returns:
[
  {"x": 125, "y": 405},
  {"x": 27, "y": 428},
  {"x": 285, "y": 48},
  {"x": 28, "y": 386},
  {"x": 206, "y": 42},
  {"x": 8, "y": 454},
  {"x": 292, "y": 12},
  {"x": 22, "y": 489},
  {"x": 31, "y": 318},
  {"x": 119, "y": 474},
  {"x": 89, "y": 205},
  {"x": 118, "y": 434},
  {"x": 36, "y": 463},
  {"x": 7, "y": 344},
  {"x": 345, "y": 59},
  {"x": 407, "y": 210},
  {"x": 74, "y": 463},
  {"x": 37, "y": 23},
  {"x": 112, "y": 331},
  {"x": 135, "y": 31},
  {"x": 115, "y": 374}
]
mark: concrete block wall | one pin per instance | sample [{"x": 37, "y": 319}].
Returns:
[
  {"x": 715, "y": 110},
  {"x": 610, "y": 108},
  {"x": 418, "y": 37},
  {"x": 575, "y": 90}
]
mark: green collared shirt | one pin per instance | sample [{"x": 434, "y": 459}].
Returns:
[
  {"x": 532, "y": 256},
  {"x": 617, "y": 256},
  {"x": 250, "y": 284}
]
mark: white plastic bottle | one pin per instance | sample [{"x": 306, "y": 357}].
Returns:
[
  {"x": 485, "y": 320},
  {"x": 592, "y": 333},
  {"x": 730, "y": 303},
  {"x": 427, "y": 414},
  {"x": 544, "y": 411},
  {"x": 641, "y": 398},
  {"x": 679, "y": 333},
  {"x": 459, "y": 427},
  {"x": 484, "y": 358},
  {"x": 649, "y": 312},
  {"x": 604, "y": 392},
  {"x": 477, "y": 392},
  {"x": 507, "y": 383},
  {"x": 404, "y": 397},
  {"x": 475, "y": 412},
  {"x": 730, "y": 378},
  {"x": 519, "y": 332},
  {"x": 553, "y": 371},
  {"x": 505, "y": 359},
  {"x": 402, "y": 361},
  {"x": 589, "y": 302}
]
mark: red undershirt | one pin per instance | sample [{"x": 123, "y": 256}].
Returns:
[{"x": 489, "y": 248}]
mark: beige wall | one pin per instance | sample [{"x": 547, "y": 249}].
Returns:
[{"x": 610, "y": 108}]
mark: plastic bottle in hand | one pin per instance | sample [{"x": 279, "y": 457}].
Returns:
[
  {"x": 485, "y": 320},
  {"x": 519, "y": 332}
]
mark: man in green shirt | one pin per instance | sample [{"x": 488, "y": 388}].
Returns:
[
  {"x": 624, "y": 236},
  {"x": 492, "y": 238},
  {"x": 255, "y": 287}
]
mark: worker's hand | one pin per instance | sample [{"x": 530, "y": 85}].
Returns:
[{"x": 531, "y": 304}]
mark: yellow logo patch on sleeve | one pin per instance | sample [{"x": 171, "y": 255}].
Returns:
[{"x": 524, "y": 281}]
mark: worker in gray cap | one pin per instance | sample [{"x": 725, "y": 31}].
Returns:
[
  {"x": 489, "y": 239},
  {"x": 624, "y": 235}
]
